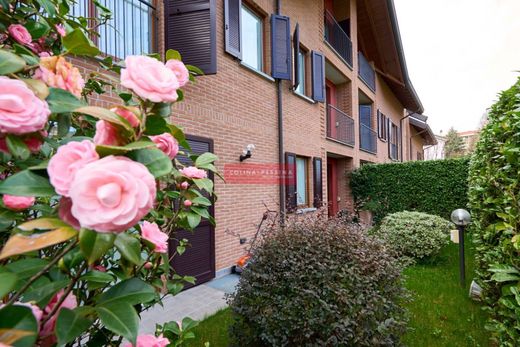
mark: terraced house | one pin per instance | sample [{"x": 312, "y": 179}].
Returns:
[{"x": 319, "y": 85}]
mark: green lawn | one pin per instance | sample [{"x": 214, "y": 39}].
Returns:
[{"x": 441, "y": 312}]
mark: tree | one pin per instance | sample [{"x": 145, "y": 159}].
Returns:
[{"x": 454, "y": 145}]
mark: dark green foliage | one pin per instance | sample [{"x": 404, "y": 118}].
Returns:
[
  {"x": 454, "y": 145},
  {"x": 319, "y": 283},
  {"x": 435, "y": 187},
  {"x": 494, "y": 199}
]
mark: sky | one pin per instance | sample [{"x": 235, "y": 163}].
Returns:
[{"x": 460, "y": 54}]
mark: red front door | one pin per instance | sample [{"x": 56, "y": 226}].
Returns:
[{"x": 332, "y": 186}]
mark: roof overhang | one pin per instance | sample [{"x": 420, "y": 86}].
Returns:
[
  {"x": 380, "y": 38},
  {"x": 419, "y": 122}
]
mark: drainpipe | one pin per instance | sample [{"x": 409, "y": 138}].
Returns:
[
  {"x": 281, "y": 156},
  {"x": 401, "y": 131}
]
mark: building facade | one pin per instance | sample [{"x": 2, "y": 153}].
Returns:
[{"x": 317, "y": 86}]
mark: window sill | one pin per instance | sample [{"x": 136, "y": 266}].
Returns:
[
  {"x": 259, "y": 73},
  {"x": 367, "y": 151},
  {"x": 304, "y": 97},
  {"x": 306, "y": 210}
]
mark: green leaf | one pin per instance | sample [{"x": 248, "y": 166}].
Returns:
[
  {"x": 132, "y": 291},
  {"x": 107, "y": 115},
  {"x": 195, "y": 70},
  {"x": 97, "y": 277},
  {"x": 77, "y": 43},
  {"x": 156, "y": 125},
  {"x": 162, "y": 109},
  {"x": 10, "y": 62},
  {"x": 38, "y": 87},
  {"x": 19, "y": 318},
  {"x": 204, "y": 183},
  {"x": 193, "y": 219},
  {"x": 48, "y": 6},
  {"x": 7, "y": 283},
  {"x": 120, "y": 318},
  {"x": 173, "y": 54},
  {"x": 201, "y": 211},
  {"x": 179, "y": 136},
  {"x": 505, "y": 277},
  {"x": 158, "y": 163},
  {"x": 61, "y": 101},
  {"x": 37, "y": 29},
  {"x": 70, "y": 325},
  {"x": 27, "y": 55},
  {"x": 120, "y": 150},
  {"x": 200, "y": 200},
  {"x": 205, "y": 159},
  {"x": 17, "y": 147},
  {"x": 129, "y": 247},
  {"x": 27, "y": 183},
  {"x": 27, "y": 267},
  {"x": 42, "y": 294},
  {"x": 94, "y": 245},
  {"x": 188, "y": 323}
]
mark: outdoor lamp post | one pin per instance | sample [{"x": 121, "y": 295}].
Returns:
[{"x": 461, "y": 218}]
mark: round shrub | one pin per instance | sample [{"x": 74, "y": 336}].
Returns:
[
  {"x": 494, "y": 200},
  {"x": 414, "y": 234},
  {"x": 319, "y": 283}
]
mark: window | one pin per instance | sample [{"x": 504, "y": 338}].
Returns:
[
  {"x": 301, "y": 181},
  {"x": 302, "y": 58},
  {"x": 382, "y": 126},
  {"x": 252, "y": 38},
  {"x": 131, "y": 30},
  {"x": 393, "y": 141}
]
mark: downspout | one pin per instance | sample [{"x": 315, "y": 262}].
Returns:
[
  {"x": 401, "y": 132},
  {"x": 281, "y": 157}
]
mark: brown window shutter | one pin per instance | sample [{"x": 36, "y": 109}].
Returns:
[
  {"x": 290, "y": 182},
  {"x": 232, "y": 27},
  {"x": 191, "y": 29},
  {"x": 317, "y": 182}
]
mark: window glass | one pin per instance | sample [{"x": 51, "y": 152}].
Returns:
[
  {"x": 301, "y": 72},
  {"x": 252, "y": 38},
  {"x": 301, "y": 181}
]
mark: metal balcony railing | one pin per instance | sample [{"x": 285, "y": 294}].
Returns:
[
  {"x": 338, "y": 38},
  {"x": 366, "y": 72},
  {"x": 367, "y": 138},
  {"x": 131, "y": 30},
  {"x": 340, "y": 126}
]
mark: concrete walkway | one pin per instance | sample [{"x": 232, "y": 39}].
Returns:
[{"x": 197, "y": 303}]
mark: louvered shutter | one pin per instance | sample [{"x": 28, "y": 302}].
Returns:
[
  {"x": 290, "y": 182},
  {"x": 191, "y": 30},
  {"x": 281, "y": 55},
  {"x": 379, "y": 124},
  {"x": 232, "y": 27},
  {"x": 318, "y": 77},
  {"x": 296, "y": 52},
  {"x": 317, "y": 182}
]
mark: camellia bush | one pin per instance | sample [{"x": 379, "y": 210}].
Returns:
[
  {"x": 319, "y": 283},
  {"x": 494, "y": 201},
  {"x": 414, "y": 235},
  {"x": 91, "y": 196}
]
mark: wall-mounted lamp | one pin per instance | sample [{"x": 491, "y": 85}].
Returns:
[{"x": 248, "y": 151}]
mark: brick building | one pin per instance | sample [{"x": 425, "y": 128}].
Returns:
[{"x": 320, "y": 85}]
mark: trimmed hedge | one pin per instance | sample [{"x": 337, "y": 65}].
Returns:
[
  {"x": 434, "y": 187},
  {"x": 494, "y": 197}
]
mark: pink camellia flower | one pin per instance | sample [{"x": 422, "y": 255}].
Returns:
[
  {"x": 185, "y": 185},
  {"x": 148, "y": 265},
  {"x": 70, "y": 302},
  {"x": 36, "y": 311},
  {"x": 18, "y": 203},
  {"x": 58, "y": 73},
  {"x": 19, "y": 34},
  {"x": 112, "y": 194},
  {"x": 106, "y": 134},
  {"x": 187, "y": 203},
  {"x": 150, "y": 79},
  {"x": 61, "y": 30},
  {"x": 166, "y": 143},
  {"x": 180, "y": 71},
  {"x": 21, "y": 111},
  {"x": 152, "y": 233},
  {"x": 149, "y": 341},
  {"x": 100, "y": 268},
  {"x": 126, "y": 114},
  {"x": 67, "y": 161},
  {"x": 34, "y": 144},
  {"x": 193, "y": 172},
  {"x": 65, "y": 214},
  {"x": 44, "y": 54}
]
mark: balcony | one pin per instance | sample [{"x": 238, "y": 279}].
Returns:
[
  {"x": 367, "y": 139},
  {"x": 340, "y": 126},
  {"x": 366, "y": 72},
  {"x": 337, "y": 38}
]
